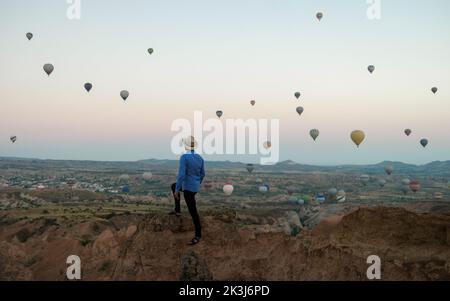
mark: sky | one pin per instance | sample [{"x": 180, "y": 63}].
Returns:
[{"x": 219, "y": 55}]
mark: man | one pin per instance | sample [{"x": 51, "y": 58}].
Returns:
[{"x": 190, "y": 176}]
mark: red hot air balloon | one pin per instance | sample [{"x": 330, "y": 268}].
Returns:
[{"x": 414, "y": 186}]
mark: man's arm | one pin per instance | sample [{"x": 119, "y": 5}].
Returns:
[{"x": 181, "y": 174}]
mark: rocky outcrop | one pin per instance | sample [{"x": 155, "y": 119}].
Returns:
[{"x": 154, "y": 247}]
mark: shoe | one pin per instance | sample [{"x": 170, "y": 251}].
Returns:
[
  {"x": 174, "y": 213},
  {"x": 194, "y": 241}
]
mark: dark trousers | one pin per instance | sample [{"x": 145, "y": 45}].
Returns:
[{"x": 189, "y": 198}]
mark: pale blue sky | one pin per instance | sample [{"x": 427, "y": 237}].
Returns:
[{"x": 213, "y": 55}]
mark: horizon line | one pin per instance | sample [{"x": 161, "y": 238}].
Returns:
[{"x": 239, "y": 162}]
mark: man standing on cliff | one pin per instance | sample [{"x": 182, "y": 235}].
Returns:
[{"x": 191, "y": 173}]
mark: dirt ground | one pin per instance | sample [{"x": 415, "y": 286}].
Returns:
[{"x": 411, "y": 246}]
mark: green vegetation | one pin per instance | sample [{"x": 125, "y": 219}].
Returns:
[
  {"x": 84, "y": 240},
  {"x": 106, "y": 266},
  {"x": 23, "y": 235}
]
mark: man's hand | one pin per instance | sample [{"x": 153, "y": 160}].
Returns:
[{"x": 176, "y": 195}]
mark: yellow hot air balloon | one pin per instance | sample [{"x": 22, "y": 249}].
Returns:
[{"x": 357, "y": 137}]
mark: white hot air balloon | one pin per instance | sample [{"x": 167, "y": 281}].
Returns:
[
  {"x": 147, "y": 175},
  {"x": 263, "y": 189},
  {"x": 228, "y": 189},
  {"x": 406, "y": 182},
  {"x": 124, "y": 178},
  {"x": 341, "y": 196}
]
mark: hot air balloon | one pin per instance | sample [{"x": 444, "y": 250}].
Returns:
[
  {"x": 381, "y": 183},
  {"x": 125, "y": 189},
  {"x": 365, "y": 178},
  {"x": 320, "y": 197},
  {"x": 414, "y": 186},
  {"x": 297, "y": 95},
  {"x": 314, "y": 133},
  {"x": 290, "y": 190},
  {"x": 228, "y": 189},
  {"x": 124, "y": 178},
  {"x": 299, "y": 110},
  {"x": 371, "y": 68},
  {"x": 357, "y": 137},
  {"x": 332, "y": 192},
  {"x": 150, "y": 50},
  {"x": 448, "y": 184},
  {"x": 263, "y": 189},
  {"x": 88, "y": 86},
  {"x": 267, "y": 144},
  {"x": 389, "y": 169},
  {"x": 13, "y": 139},
  {"x": 408, "y": 132},
  {"x": 341, "y": 196},
  {"x": 405, "y": 189},
  {"x": 434, "y": 90},
  {"x": 250, "y": 168},
  {"x": 48, "y": 68},
  {"x": 124, "y": 94},
  {"x": 147, "y": 175},
  {"x": 319, "y": 16},
  {"x": 252, "y": 102},
  {"x": 424, "y": 142},
  {"x": 406, "y": 182},
  {"x": 438, "y": 196},
  {"x": 219, "y": 114},
  {"x": 29, "y": 36}
]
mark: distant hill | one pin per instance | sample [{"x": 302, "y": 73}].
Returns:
[{"x": 437, "y": 168}]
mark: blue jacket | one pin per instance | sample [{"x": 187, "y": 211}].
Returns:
[{"x": 191, "y": 172}]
